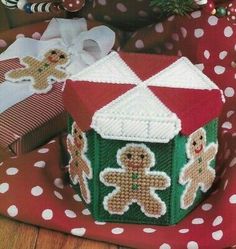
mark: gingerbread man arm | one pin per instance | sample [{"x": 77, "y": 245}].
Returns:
[
  {"x": 112, "y": 177},
  {"x": 58, "y": 74},
  {"x": 30, "y": 61},
  {"x": 159, "y": 181},
  {"x": 187, "y": 172},
  {"x": 210, "y": 152}
]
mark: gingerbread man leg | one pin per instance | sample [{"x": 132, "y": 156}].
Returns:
[
  {"x": 40, "y": 82},
  {"x": 152, "y": 207},
  {"x": 189, "y": 194},
  {"x": 83, "y": 188},
  {"x": 73, "y": 170},
  {"x": 118, "y": 203},
  {"x": 208, "y": 180}
]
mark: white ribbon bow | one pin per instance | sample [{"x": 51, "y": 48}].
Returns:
[{"x": 84, "y": 47}]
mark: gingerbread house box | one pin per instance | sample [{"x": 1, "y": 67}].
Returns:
[{"x": 143, "y": 137}]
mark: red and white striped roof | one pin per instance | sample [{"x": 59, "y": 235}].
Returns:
[{"x": 141, "y": 97}]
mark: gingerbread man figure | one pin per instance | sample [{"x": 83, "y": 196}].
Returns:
[
  {"x": 197, "y": 173},
  {"x": 41, "y": 72},
  {"x": 79, "y": 165},
  {"x": 134, "y": 182}
]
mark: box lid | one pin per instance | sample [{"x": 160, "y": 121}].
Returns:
[{"x": 142, "y": 97}]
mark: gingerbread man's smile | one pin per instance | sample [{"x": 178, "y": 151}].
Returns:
[{"x": 197, "y": 151}]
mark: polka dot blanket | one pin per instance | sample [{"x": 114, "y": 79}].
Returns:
[{"x": 32, "y": 189}]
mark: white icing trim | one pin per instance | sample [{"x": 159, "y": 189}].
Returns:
[
  {"x": 110, "y": 69},
  {"x": 190, "y": 162},
  {"x": 147, "y": 171},
  {"x": 181, "y": 74},
  {"x": 137, "y": 115},
  {"x": 85, "y": 159}
]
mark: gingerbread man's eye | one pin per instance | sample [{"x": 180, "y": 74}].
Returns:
[
  {"x": 53, "y": 52},
  {"x": 194, "y": 143},
  {"x": 201, "y": 137},
  {"x": 129, "y": 156},
  {"x": 62, "y": 56},
  {"x": 142, "y": 156},
  {"x": 80, "y": 137}
]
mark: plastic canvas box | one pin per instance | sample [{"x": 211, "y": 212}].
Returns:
[{"x": 143, "y": 137}]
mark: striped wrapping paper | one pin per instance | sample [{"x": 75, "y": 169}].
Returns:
[{"x": 33, "y": 121}]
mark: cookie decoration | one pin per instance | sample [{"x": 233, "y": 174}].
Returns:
[
  {"x": 139, "y": 113},
  {"x": 197, "y": 173},
  {"x": 41, "y": 73},
  {"x": 134, "y": 182},
  {"x": 79, "y": 165}
]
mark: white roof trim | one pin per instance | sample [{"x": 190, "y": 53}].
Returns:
[{"x": 129, "y": 118}]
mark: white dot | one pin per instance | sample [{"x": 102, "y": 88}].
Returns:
[
  {"x": 1, "y": 163},
  {"x": 100, "y": 223},
  {"x": 171, "y": 18},
  {"x": 139, "y": 44},
  {"x": 149, "y": 230},
  {"x": 90, "y": 16},
  {"x": 192, "y": 245},
  {"x": 227, "y": 125},
  {"x": 226, "y": 183},
  {"x": 159, "y": 28},
  {"x": 223, "y": 54},
  {"x": 20, "y": 36},
  {"x": 43, "y": 150},
  {"x": 185, "y": 230},
  {"x": 217, "y": 235},
  {"x": 78, "y": 231},
  {"x": 206, "y": 54},
  {"x": 175, "y": 37},
  {"x": 52, "y": 141},
  {"x": 58, "y": 183},
  {"x": 200, "y": 66},
  {"x": 232, "y": 199},
  {"x": 58, "y": 195},
  {"x": 40, "y": 164},
  {"x": 142, "y": 13},
  {"x": 36, "y": 191},
  {"x": 184, "y": 32},
  {"x": 198, "y": 33},
  {"x": 121, "y": 7},
  {"x": 12, "y": 211},
  {"x": 196, "y": 14},
  {"x": 77, "y": 198},
  {"x": 12, "y": 171},
  {"x": 233, "y": 162},
  {"x": 219, "y": 69},
  {"x": 229, "y": 92},
  {"x": 47, "y": 214},
  {"x": 107, "y": 18},
  {"x": 86, "y": 212},
  {"x": 230, "y": 113},
  {"x": 117, "y": 230},
  {"x": 197, "y": 221},
  {"x": 169, "y": 45},
  {"x": 70, "y": 5},
  {"x": 36, "y": 35},
  {"x": 70, "y": 214},
  {"x": 213, "y": 20},
  {"x": 217, "y": 221},
  {"x": 165, "y": 246},
  {"x": 4, "y": 187},
  {"x": 102, "y": 2},
  {"x": 228, "y": 31}
]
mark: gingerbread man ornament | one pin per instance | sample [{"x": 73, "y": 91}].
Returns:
[
  {"x": 197, "y": 173},
  {"x": 134, "y": 182},
  {"x": 41, "y": 73},
  {"x": 79, "y": 166}
]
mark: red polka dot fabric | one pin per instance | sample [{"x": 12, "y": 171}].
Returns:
[{"x": 32, "y": 190}]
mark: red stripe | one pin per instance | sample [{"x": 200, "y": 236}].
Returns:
[
  {"x": 30, "y": 114},
  {"x": 7, "y": 65}
]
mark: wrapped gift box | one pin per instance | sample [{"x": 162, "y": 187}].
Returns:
[
  {"x": 144, "y": 137},
  {"x": 33, "y": 121}
]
